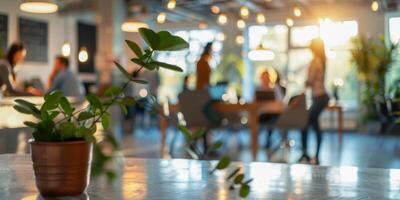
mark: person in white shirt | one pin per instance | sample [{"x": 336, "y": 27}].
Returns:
[{"x": 316, "y": 82}]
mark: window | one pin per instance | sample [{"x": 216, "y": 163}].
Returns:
[
  {"x": 394, "y": 29},
  {"x": 294, "y": 56}
]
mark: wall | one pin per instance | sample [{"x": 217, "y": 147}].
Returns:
[{"x": 60, "y": 29}]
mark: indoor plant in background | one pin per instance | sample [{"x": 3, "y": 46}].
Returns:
[
  {"x": 372, "y": 59},
  {"x": 63, "y": 136}
]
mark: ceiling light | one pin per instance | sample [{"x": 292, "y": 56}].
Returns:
[
  {"x": 83, "y": 55},
  {"x": 239, "y": 39},
  {"x": 39, "y": 6},
  {"x": 222, "y": 19},
  {"x": 66, "y": 49},
  {"x": 133, "y": 26},
  {"x": 260, "y": 18},
  {"x": 289, "y": 22},
  {"x": 161, "y": 17},
  {"x": 215, "y": 9},
  {"x": 171, "y": 4},
  {"x": 261, "y": 54},
  {"x": 297, "y": 12},
  {"x": 244, "y": 12},
  {"x": 241, "y": 24},
  {"x": 374, "y": 6}
]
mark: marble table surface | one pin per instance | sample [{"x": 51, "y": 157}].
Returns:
[{"x": 158, "y": 179}]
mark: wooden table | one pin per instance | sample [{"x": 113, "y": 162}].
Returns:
[
  {"x": 156, "y": 179},
  {"x": 253, "y": 109},
  {"x": 339, "y": 113}
]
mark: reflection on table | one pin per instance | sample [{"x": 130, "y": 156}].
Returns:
[{"x": 189, "y": 179}]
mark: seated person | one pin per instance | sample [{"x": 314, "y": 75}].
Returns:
[
  {"x": 63, "y": 79},
  {"x": 8, "y": 80},
  {"x": 269, "y": 90}
]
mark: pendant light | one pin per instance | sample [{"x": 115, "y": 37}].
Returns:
[
  {"x": 133, "y": 25},
  {"x": 39, "y": 6},
  {"x": 83, "y": 55},
  {"x": 161, "y": 17},
  {"x": 375, "y": 6},
  {"x": 66, "y": 49},
  {"x": 260, "y": 18},
  {"x": 261, "y": 54}
]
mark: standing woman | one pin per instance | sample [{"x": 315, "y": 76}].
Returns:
[
  {"x": 15, "y": 55},
  {"x": 316, "y": 82},
  {"x": 203, "y": 68}
]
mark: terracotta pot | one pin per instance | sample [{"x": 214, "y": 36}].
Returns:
[{"x": 61, "y": 168}]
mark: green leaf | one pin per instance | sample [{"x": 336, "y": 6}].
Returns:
[
  {"x": 186, "y": 132},
  {"x": 123, "y": 108},
  {"x": 150, "y": 37},
  {"x": 134, "y": 47},
  {"x": 244, "y": 191},
  {"x": 238, "y": 179},
  {"x": 223, "y": 162},
  {"x": 199, "y": 133},
  {"x": 94, "y": 101},
  {"x": 139, "y": 81},
  {"x": 169, "y": 42},
  {"x": 68, "y": 130},
  {"x": 51, "y": 101},
  {"x": 27, "y": 105},
  {"x": 23, "y": 109},
  {"x": 53, "y": 114},
  {"x": 192, "y": 154},
  {"x": 138, "y": 61},
  {"x": 128, "y": 100},
  {"x": 123, "y": 71},
  {"x": 167, "y": 66},
  {"x": 111, "y": 139},
  {"x": 217, "y": 145},
  {"x": 248, "y": 181},
  {"x": 52, "y": 96},
  {"x": 111, "y": 176},
  {"x": 113, "y": 91},
  {"x": 105, "y": 121},
  {"x": 31, "y": 124},
  {"x": 66, "y": 106},
  {"x": 46, "y": 127},
  {"x": 151, "y": 66},
  {"x": 233, "y": 173},
  {"x": 85, "y": 116}
]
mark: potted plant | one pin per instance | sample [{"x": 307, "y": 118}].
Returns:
[{"x": 63, "y": 136}]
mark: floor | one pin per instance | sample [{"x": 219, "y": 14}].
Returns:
[{"x": 358, "y": 149}]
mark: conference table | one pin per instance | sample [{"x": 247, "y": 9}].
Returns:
[
  {"x": 253, "y": 109},
  {"x": 157, "y": 179}
]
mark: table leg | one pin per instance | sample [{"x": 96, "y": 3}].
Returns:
[
  {"x": 163, "y": 132},
  {"x": 340, "y": 124},
  {"x": 253, "y": 124}
]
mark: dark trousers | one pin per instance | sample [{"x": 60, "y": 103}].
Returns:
[{"x": 318, "y": 105}]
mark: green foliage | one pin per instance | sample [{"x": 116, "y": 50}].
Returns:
[
  {"x": 235, "y": 178},
  {"x": 59, "y": 121},
  {"x": 372, "y": 59}
]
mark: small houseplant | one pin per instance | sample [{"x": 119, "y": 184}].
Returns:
[{"x": 63, "y": 136}]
